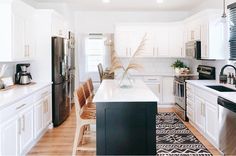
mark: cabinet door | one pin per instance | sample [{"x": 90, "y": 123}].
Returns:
[
  {"x": 162, "y": 39},
  {"x": 204, "y": 40},
  {"x": 200, "y": 113},
  {"x": 167, "y": 90},
  {"x": 121, "y": 43},
  {"x": 176, "y": 43},
  {"x": 19, "y": 47},
  {"x": 149, "y": 47},
  {"x": 27, "y": 128},
  {"x": 212, "y": 122},
  {"x": 29, "y": 37},
  {"x": 47, "y": 117},
  {"x": 38, "y": 118},
  {"x": 9, "y": 137}
]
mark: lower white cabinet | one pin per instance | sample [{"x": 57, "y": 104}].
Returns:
[
  {"x": 9, "y": 137},
  {"x": 212, "y": 122},
  {"x": 21, "y": 123},
  {"x": 26, "y": 128},
  {"x": 38, "y": 118},
  {"x": 200, "y": 113},
  {"x": 205, "y": 113},
  {"x": 42, "y": 114},
  {"x": 167, "y": 90}
]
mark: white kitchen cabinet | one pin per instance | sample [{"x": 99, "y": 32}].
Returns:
[
  {"x": 42, "y": 113},
  {"x": 155, "y": 84},
  {"x": 167, "y": 90},
  {"x": 10, "y": 137},
  {"x": 194, "y": 30},
  {"x": 20, "y": 120},
  {"x": 38, "y": 118},
  {"x": 162, "y": 39},
  {"x": 58, "y": 26},
  {"x": 17, "y": 31},
  {"x": 127, "y": 42},
  {"x": 47, "y": 109},
  {"x": 26, "y": 120},
  {"x": 213, "y": 38},
  {"x": 205, "y": 110},
  {"x": 212, "y": 122},
  {"x": 176, "y": 41},
  {"x": 200, "y": 113}
]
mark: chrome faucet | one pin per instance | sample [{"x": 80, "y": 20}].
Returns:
[{"x": 223, "y": 77}]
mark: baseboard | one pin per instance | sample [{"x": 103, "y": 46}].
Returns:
[{"x": 165, "y": 105}]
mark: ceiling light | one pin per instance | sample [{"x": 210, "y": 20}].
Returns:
[
  {"x": 106, "y": 1},
  {"x": 160, "y": 1}
]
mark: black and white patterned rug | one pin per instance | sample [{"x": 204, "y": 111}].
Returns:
[{"x": 175, "y": 139}]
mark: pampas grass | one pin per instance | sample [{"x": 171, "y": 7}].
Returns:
[{"x": 132, "y": 65}]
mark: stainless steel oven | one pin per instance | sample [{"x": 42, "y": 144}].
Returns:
[{"x": 204, "y": 73}]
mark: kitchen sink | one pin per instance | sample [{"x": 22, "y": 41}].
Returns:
[{"x": 221, "y": 88}]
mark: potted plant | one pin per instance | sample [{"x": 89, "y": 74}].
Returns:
[{"x": 180, "y": 67}]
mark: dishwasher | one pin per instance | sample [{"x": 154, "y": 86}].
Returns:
[{"x": 227, "y": 126}]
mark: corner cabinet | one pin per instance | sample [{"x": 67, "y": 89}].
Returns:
[
  {"x": 17, "y": 31},
  {"x": 19, "y": 122}
]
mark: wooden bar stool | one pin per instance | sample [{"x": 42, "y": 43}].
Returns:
[
  {"x": 84, "y": 117},
  {"x": 88, "y": 96},
  {"x": 91, "y": 87}
]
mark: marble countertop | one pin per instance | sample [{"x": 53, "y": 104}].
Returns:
[
  {"x": 109, "y": 91},
  {"x": 231, "y": 96},
  {"x": 18, "y": 92}
]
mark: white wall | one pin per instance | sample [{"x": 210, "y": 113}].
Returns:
[{"x": 104, "y": 21}]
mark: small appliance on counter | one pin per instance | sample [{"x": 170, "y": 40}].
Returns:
[
  {"x": 204, "y": 73},
  {"x": 22, "y": 77}
]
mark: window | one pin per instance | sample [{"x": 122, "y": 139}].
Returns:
[
  {"x": 94, "y": 52},
  {"x": 232, "y": 41}
]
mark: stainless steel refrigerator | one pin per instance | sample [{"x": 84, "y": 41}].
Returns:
[{"x": 61, "y": 80}]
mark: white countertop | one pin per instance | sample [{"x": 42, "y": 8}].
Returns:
[
  {"x": 18, "y": 92},
  {"x": 231, "y": 96},
  {"x": 109, "y": 91}
]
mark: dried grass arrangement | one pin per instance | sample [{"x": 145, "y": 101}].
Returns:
[{"x": 132, "y": 64}]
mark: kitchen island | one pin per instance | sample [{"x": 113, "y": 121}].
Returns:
[{"x": 125, "y": 119}]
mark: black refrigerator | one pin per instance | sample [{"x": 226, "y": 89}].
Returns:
[{"x": 61, "y": 80}]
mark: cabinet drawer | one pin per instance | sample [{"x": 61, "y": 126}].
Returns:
[{"x": 13, "y": 109}]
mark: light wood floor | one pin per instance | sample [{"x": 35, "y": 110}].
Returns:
[{"x": 59, "y": 141}]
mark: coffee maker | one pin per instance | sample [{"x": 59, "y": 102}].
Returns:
[{"x": 22, "y": 77}]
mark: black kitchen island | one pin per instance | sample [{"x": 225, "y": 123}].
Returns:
[{"x": 125, "y": 119}]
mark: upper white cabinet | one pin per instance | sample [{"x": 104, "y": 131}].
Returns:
[
  {"x": 59, "y": 26},
  {"x": 162, "y": 40},
  {"x": 206, "y": 27},
  {"x": 213, "y": 37},
  {"x": 17, "y": 31}
]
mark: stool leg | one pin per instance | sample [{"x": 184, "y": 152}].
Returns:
[{"x": 76, "y": 139}]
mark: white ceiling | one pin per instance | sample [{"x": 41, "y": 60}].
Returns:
[{"x": 130, "y": 5}]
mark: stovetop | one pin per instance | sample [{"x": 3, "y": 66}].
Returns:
[{"x": 183, "y": 78}]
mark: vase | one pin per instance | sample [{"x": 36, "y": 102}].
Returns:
[
  {"x": 126, "y": 81},
  {"x": 177, "y": 71}
]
